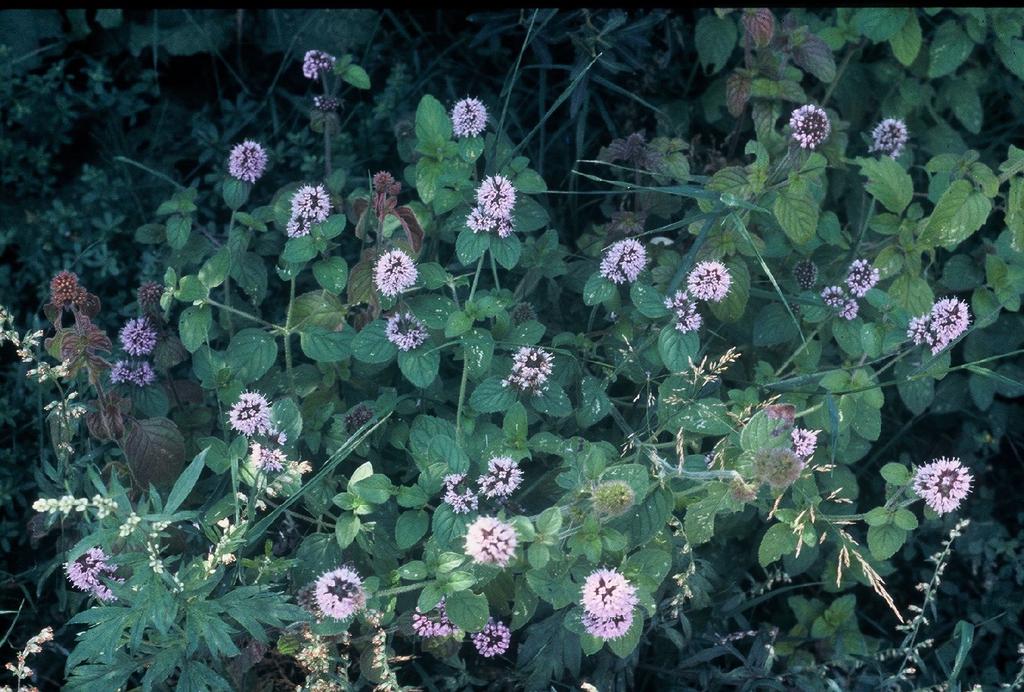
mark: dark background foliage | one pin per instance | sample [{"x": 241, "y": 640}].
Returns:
[{"x": 101, "y": 112}]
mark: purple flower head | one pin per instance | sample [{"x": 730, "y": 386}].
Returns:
[
  {"x": 251, "y": 415},
  {"x": 149, "y": 294},
  {"x": 709, "y": 281},
  {"x": 469, "y": 118},
  {"x": 502, "y": 478},
  {"x": 316, "y": 62},
  {"x": 948, "y": 319},
  {"x": 496, "y": 196},
  {"x": 325, "y": 104},
  {"x": 140, "y": 373},
  {"x": 405, "y": 331},
  {"x": 394, "y": 273},
  {"x": 310, "y": 204},
  {"x": 385, "y": 184},
  {"x": 458, "y": 495},
  {"x": 340, "y": 593},
  {"x": 607, "y": 593},
  {"x": 685, "y": 310},
  {"x": 428, "y": 627},
  {"x": 138, "y": 337},
  {"x": 611, "y": 627},
  {"x": 479, "y": 221},
  {"x": 861, "y": 277},
  {"x": 531, "y": 368},
  {"x": 85, "y": 572},
  {"x": 918, "y": 331},
  {"x": 842, "y": 304},
  {"x": 491, "y": 541},
  {"x": 247, "y": 161},
  {"x": 624, "y": 261},
  {"x": 804, "y": 442},
  {"x": 806, "y": 273},
  {"x": 266, "y": 459},
  {"x": 889, "y": 137},
  {"x": 493, "y": 639},
  {"x": 810, "y": 126},
  {"x": 943, "y": 484}
]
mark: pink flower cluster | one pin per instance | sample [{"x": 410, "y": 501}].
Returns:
[
  {"x": 316, "y": 63},
  {"x": 810, "y": 126},
  {"x": 84, "y": 573},
  {"x": 709, "y": 281},
  {"x": 684, "y": 308},
  {"x": 804, "y": 442},
  {"x": 495, "y": 201},
  {"x": 139, "y": 373},
  {"x": 889, "y": 137},
  {"x": 491, "y": 541},
  {"x": 841, "y": 303},
  {"x": 458, "y": 495},
  {"x": 493, "y": 639},
  {"x": 251, "y": 415},
  {"x": 502, "y": 479},
  {"x": 942, "y": 325},
  {"x": 138, "y": 337},
  {"x": 339, "y": 593},
  {"x": 943, "y": 484},
  {"x": 394, "y": 273},
  {"x": 531, "y": 368},
  {"x": 861, "y": 277},
  {"x": 247, "y": 161},
  {"x": 405, "y": 331},
  {"x": 428, "y": 627},
  {"x": 267, "y": 459},
  {"x": 469, "y": 118},
  {"x": 623, "y": 261},
  {"x": 310, "y": 204},
  {"x": 608, "y": 600}
]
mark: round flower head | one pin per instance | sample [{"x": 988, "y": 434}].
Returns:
[
  {"x": 889, "y": 137},
  {"x": 502, "y": 478},
  {"x": 810, "y": 126},
  {"x": 247, "y": 161},
  {"x": 469, "y": 118},
  {"x": 709, "y": 281},
  {"x": 777, "y": 467},
  {"x": 496, "y": 196},
  {"x": 357, "y": 418},
  {"x": 140, "y": 374},
  {"x": 611, "y": 627},
  {"x": 685, "y": 310},
  {"x": 522, "y": 312},
  {"x": 741, "y": 491},
  {"x": 316, "y": 62},
  {"x": 85, "y": 572},
  {"x": 861, "y": 277},
  {"x": 325, "y": 104},
  {"x": 843, "y": 305},
  {"x": 385, "y": 184},
  {"x": 138, "y": 337},
  {"x": 948, "y": 319},
  {"x": 624, "y": 261},
  {"x": 340, "y": 593},
  {"x": 613, "y": 498},
  {"x": 65, "y": 290},
  {"x": 493, "y": 639},
  {"x": 607, "y": 593},
  {"x": 149, "y": 294},
  {"x": 428, "y": 627},
  {"x": 394, "y": 273},
  {"x": 479, "y": 221},
  {"x": 405, "y": 331},
  {"x": 251, "y": 415},
  {"x": 266, "y": 459},
  {"x": 458, "y": 495},
  {"x": 804, "y": 442},
  {"x": 943, "y": 484},
  {"x": 531, "y": 368},
  {"x": 806, "y": 273},
  {"x": 491, "y": 541},
  {"x": 310, "y": 204}
]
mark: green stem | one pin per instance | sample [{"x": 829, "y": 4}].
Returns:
[
  {"x": 228, "y": 308},
  {"x": 465, "y": 370},
  {"x": 288, "y": 335},
  {"x": 401, "y": 589},
  {"x": 227, "y": 279}
]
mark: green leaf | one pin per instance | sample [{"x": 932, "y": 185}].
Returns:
[
  {"x": 778, "y": 540},
  {"x": 332, "y": 274},
  {"x": 194, "y": 326},
  {"x": 371, "y": 344},
  {"x": 457, "y": 324},
  {"x": 888, "y": 183},
  {"x": 732, "y": 307},
  {"x": 491, "y": 396},
  {"x": 420, "y": 366},
  {"x": 648, "y": 300},
  {"x": 625, "y": 645},
  {"x": 597, "y": 289},
  {"x": 467, "y": 610},
  {"x": 950, "y": 46},
  {"x": 356, "y": 76},
  {"x": 715, "y": 39},
  {"x": 797, "y": 212},
  {"x": 506, "y": 251},
  {"x": 251, "y": 353},
  {"x": 178, "y": 230},
  {"x": 906, "y": 44},
  {"x": 553, "y": 401},
  {"x": 235, "y": 192},
  {"x": 346, "y": 529},
  {"x": 594, "y": 402},
  {"x": 433, "y": 127},
  {"x": 325, "y": 346},
  {"x": 884, "y": 541},
  {"x": 478, "y": 351},
  {"x": 958, "y": 214},
  {"x": 905, "y": 519},
  {"x": 297, "y": 250},
  {"x": 880, "y": 23},
  {"x": 896, "y": 474},
  {"x": 469, "y": 246},
  {"x": 677, "y": 349},
  {"x": 773, "y": 326},
  {"x": 410, "y": 528},
  {"x": 186, "y": 481}
]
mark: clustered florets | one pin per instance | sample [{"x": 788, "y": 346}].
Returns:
[
  {"x": 531, "y": 368},
  {"x": 943, "y": 484},
  {"x": 491, "y": 541},
  {"x": 405, "y": 331},
  {"x": 138, "y": 337},
  {"x": 493, "y": 639},
  {"x": 458, "y": 495},
  {"x": 325, "y": 104},
  {"x": 495, "y": 202},
  {"x": 502, "y": 479},
  {"x": 339, "y": 593},
  {"x": 685, "y": 310},
  {"x": 247, "y": 161},
  {"x": 861, "y": 277},
  {"x": 804, "y": 442},
  {"x": 85, "y": 572},
  {"x": 889, "y": 137},
  {"x": 840, "y": 302},
  {"x": 394, "y": 273},
  {"x": 941, "y": 326},
  {"x": 806, "y": 273},
  {"x": 810, "y": 126},
  {"x": 65, "y": 289},
  {"x": 778, "y": 467},
  {"x": 709, "y": 281},
  {"x": 267, "y": 459},
  {"x": 623, "y": 261},
  {"x": 428, "y": 627},
  {"x": 316, "y": 63},
  {"x": 608, "y": 600},
  {"x": 251, "y": 415},
  {"x": 310, "y": 204},
  {"x": 140, "y": 374},
  {"x": 469, "y": 118}
]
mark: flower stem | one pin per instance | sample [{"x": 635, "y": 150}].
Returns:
[{"x": 465, "y": 370}]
